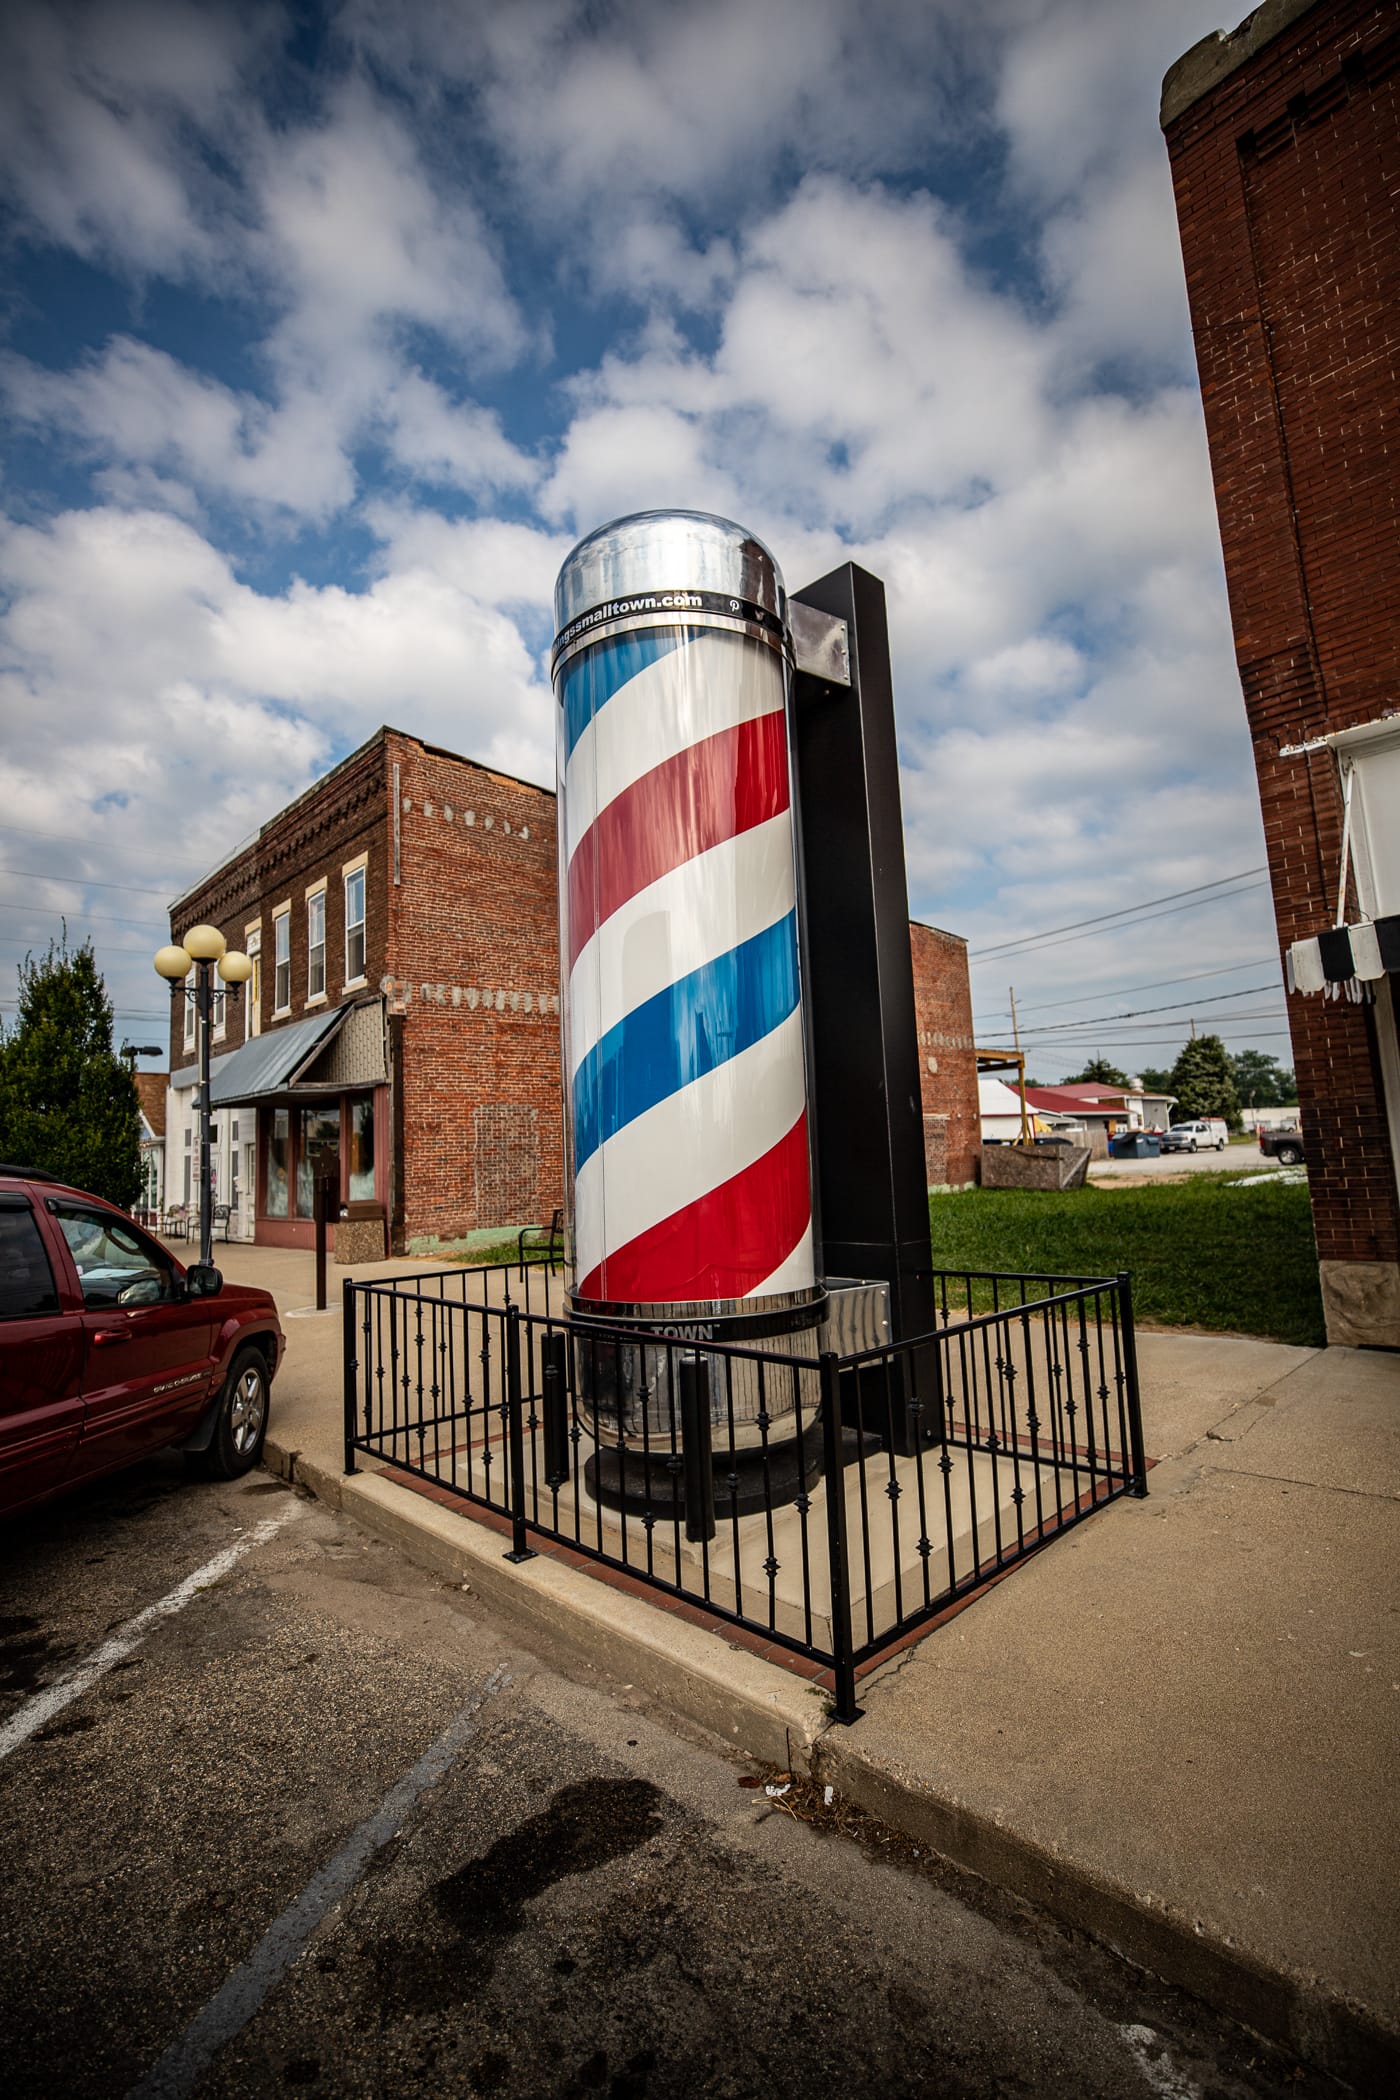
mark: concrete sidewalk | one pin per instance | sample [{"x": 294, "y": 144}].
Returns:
[{"x": 1175, "y": 1728}]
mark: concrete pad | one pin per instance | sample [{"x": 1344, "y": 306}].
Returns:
[
  {"x": 1192, "y": 1383},
  {"x": 1180, "y": 1722},
  {"x": 1334, "y": 1422}
]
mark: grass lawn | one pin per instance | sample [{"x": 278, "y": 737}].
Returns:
[{"x": 1204, "y": 1252}]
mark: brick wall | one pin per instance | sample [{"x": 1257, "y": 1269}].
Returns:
[
  {"x": 473, "y": 964},
  {"x": 1286, "y": 174},
  {"x": 947, "y": 1066},
  {"x": 342, "y": 816}
]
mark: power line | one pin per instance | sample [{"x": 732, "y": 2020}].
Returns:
[
  {"x": 1110, "y": 991},
  {"x": 122, "y": 1013},
  {"x": 1167, "y": 1028},
  {"x": 1224, "y": 897},
  {"x": 82, "y": 882},
  {"x": 1254, "y": 1036},
  {"x": 1136, "y": 1013},
  {"x": 67, "y": 838},
  {"x": 1027, "y": 940},
  {"x": 88, "y": 918},
  {"x": 100, "y": 942}
]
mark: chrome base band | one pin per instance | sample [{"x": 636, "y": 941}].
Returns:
[{"x": 739, "y": 1321}]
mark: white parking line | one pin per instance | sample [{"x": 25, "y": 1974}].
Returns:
[
  {"x": 40, "y": 1710},
  {"x": 227, "y": 2013}
]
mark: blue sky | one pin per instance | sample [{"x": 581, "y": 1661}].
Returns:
[{"x": 327, "y": 331}]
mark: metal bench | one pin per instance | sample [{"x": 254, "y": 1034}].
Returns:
[{"x": 547, "y": 1240}]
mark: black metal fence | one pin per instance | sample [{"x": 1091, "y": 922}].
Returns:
[{"x": 830, "y": 1504}]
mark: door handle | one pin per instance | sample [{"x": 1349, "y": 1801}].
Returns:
[{"x": 105, "y": 1336}]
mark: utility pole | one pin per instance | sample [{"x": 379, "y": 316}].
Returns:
[{"x": 1021, "y": 1067}]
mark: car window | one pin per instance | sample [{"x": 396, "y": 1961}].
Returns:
[
  {"x": 116, "y": 1264},
  {"x": 26, "y": 1280}
]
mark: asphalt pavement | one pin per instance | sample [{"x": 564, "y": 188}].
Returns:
[{"x": 281, "y": 1811}]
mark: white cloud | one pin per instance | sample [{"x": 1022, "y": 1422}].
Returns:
[
  {"x": 99, "y": 107},
  {"x": 796, "y": 204},
  {"x": 455, "y": 444},
  {"x": 353, "y": 231}
]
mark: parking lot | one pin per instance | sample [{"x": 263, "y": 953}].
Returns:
[{"x": 1235, "y": 1159}]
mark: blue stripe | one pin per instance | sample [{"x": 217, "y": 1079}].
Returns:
[
  {"x": 593, "y": 678},
  {"x": 683, "y": 1032}
]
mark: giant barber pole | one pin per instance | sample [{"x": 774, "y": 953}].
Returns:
[{"x": 683, "y": 1029}]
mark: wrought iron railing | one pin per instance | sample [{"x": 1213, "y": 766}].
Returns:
[{"x": 831, "y": 1504}]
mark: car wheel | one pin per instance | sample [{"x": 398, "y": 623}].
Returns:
[
  {"x": 1289, "y": 1156},
  {"x": 1192, "y": 1146},
  {"x": 241, "y": 1423},
  {"x": 1221, "y": 1146}
]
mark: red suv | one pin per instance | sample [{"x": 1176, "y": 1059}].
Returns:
[{"x": 109, "y": 1348}]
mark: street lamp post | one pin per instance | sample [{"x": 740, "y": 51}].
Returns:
[{"x": 203, "y": 949}]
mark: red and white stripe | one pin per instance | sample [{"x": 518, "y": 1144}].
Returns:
[{"x": 675, "y": 812}]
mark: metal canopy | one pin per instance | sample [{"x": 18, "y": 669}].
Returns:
[{"x": 266, "y": 1064}]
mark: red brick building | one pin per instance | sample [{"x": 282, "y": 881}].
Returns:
[
  {"x": 401, "y": 1030},
  {"x": 947, "y": 1061},
  {"x": 1284, "y": 139}
]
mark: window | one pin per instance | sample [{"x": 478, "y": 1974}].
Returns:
[
  {"x": 279, "y": 1156},
  {"x": 189, "y": 1007},
  {"x": 252, "y": 995},
  {"x": 355, "y": 926},
  {"x": 189, "y": 1169},
  {"x": 318, "y": 1154},
  {"x": 316, "y": 945},
  {"x": 282, "y": 961},
  {"x": 116, "y": 1264},
  {"x": 26, "y": 1280},
  {"x": 219, "y": 1009},
  {"x": 361, "y": 1189}
]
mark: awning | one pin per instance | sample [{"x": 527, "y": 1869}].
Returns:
[
  {"x": 1343, "y": 960},
  {"x": 266, "y": 1064}
]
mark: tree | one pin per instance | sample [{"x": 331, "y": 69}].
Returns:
[
  {"x": 1100, "y": 1071},
  {"x": 1155, "y": 1079},
  {"x": 67, "y": 1101},
  {"x": 1203, "y": 1081},
  {"x": 1261, "y": 1081}
]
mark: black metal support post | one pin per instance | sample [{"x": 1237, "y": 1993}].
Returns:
[
  {"x": 1136, "y": 1451},
  {"x": 204, "y": 1007},
  {"x": 696, "y": 1451},
  {"x": 350, "y": 1367},
  {"x": 858, "y": 992},
  {"x": 555, "y": 1408},
  {"x": 520, "y": 1548},
  {"x": 327, "y": 1199},
  {"x": 844, "y": 1669}
]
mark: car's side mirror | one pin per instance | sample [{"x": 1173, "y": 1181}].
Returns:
[{"x": 203, "y": 1280}]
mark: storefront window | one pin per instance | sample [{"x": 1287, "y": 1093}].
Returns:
[
  {"x": 362, "y": 1149},
  {"x": 279, "y": 1148},
  {"x": 318, "y": 1154}
]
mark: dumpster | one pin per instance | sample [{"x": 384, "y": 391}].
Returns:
[{"x": 1135, "y": 1144}]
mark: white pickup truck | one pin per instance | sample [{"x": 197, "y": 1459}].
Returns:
[{"x": 1200, "y": 1136}]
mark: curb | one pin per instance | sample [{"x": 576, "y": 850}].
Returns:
[
  {"x": 1290, "y": 2009},
  {"x": 775, "y": 1719},
  {"x": 759, "y": 1708}
]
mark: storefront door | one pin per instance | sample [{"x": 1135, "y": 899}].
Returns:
[{"x": 317, "y": 1154}]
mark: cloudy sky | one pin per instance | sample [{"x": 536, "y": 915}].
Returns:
[{"x": 327, "y": 332}]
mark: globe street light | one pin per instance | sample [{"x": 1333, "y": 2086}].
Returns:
[{"x": 203, "y": 950}]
